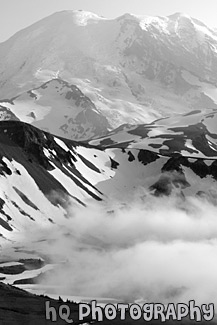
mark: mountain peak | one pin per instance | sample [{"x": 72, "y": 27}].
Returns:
[
  {"x": 127, "y": 15},
  {"x": 81, "y": 17}
]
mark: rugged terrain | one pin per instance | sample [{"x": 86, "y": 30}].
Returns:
[
  {"x": 108, "y": 145},
  {"x": 44, "y": 176},
  {"x": 132, "y": 69}
]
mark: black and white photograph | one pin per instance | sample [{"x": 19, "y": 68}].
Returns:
[{"x": 108, "y": 162}]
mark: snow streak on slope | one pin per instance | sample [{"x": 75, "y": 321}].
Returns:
[
  {"x": 35, "y": 166},
  {"x": 190, "y": 135}
]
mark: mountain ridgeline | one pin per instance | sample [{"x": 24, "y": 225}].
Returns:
[
  {"x": 78, "y": 75},
  {"x": 103, "y": 121}
]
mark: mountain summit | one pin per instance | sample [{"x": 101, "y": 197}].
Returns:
[{"x": 134, "y": 69}]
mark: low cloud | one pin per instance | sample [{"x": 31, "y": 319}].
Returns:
[{"x": 156, "y": 249}]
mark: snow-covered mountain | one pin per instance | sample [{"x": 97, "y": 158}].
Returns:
[
  {"x": 134, "y": 69},
  {"x": 141, "y": 92},
  {"x": 59, "y": 108}
]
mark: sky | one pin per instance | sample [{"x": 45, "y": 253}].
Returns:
[{"x": 18, "y": 14}]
